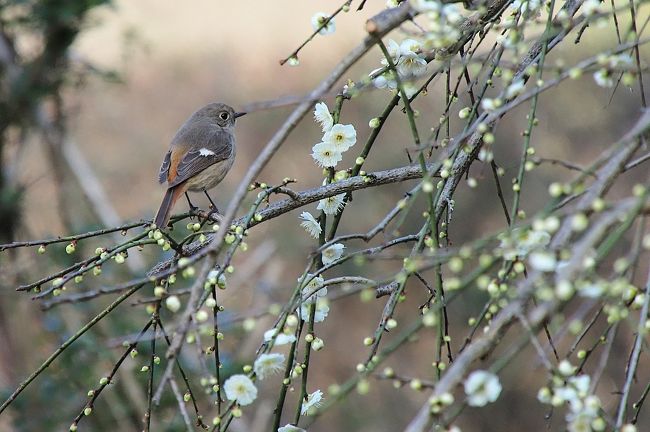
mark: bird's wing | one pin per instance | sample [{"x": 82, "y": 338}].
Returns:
[
  {"x": 164, "y": 168},
  {"x": 215, "y": 146}
]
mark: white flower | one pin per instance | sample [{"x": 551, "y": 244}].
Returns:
[
  {"x": 332, "y": 253},
  {"x": 310, "y": 224},
  {"x": 521, "y": 241},
  {"x": 280, "y": 339},
  {"x": 452, "y": 13},
  {"x": 268, "y": 364},
  {"x": 323, "y": 116},
  {"x": 315, "y": 283},
  {"x": 313, "y": 400},
  {"x": 591, "y": 7},
  {"x": 331, "y": 205},
  {"x": 384, "y": 80},
  {"x": 566, "y": 368},
  {"x": 564, "y": 290},
  {"x": 527, "y": 6},
  {"x": 322, "y": 310},
  {"x": 316, "y": 287},
  {"x": 410, "y": 89},
  {"x": 621, "y": 61},
  {"x": 411, "y": 65},
  {"x": 290, "y": 428},
  {"x": 581, "y": 384},
  {"x": 488, "y": 104},
  {"x": 392, "y": 3},
  {"x": 241, "y": 389},
  {"x": 317, "y": 21},
  {"x": 543, "y": 261},
  {"x": 481, "y": 388},
  {"x": 409, "y": 47},
  {"x": 326, "y": 154},
  {"x": 582, "y": 413},
  {"x": 603, "y": 78},
  {"x": 580, "y": 422},
  {"x": 515, "y": 89},
  {"x": 529, "y": 240},
  {"x": 567, "y": 394},
  {"x": 342, "y": 137}
]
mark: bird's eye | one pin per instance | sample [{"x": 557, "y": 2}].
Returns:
[{"x": 224, "y": 115}]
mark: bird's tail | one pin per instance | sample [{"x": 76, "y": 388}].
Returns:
[{"x": 164, "y": 212}]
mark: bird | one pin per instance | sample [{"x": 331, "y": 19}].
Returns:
[{"x": 199, "y": 156}]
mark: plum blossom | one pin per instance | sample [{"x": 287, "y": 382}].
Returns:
[
  {"x": 268, "y": 364},
  {"x": 240, "y": 388},
  {"x": 310, "y": 224},
  {"x": 332, "y": 253},
  {"x": 481, "y": 388},
  {"x": 323, "y": 116},
  {"x": 313, "y": 400},
  {"x": 319, "y": 19}
]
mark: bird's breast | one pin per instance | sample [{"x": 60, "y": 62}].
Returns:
[{"x": 211, "y": 176}]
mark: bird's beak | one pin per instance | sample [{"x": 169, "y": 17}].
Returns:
[{"x": 239, "y": 114}]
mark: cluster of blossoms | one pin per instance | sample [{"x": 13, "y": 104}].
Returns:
[
  {"x": 337, "y": 139},
  {"x": 619, "y": 294},
  {"x": 408, "y": 61},
  {"x": 571, "y": 389},
  {"x": 241, "y": 389},
  {"x": 442, "y": 21},
  {"x": 527, "y": 8},
  {"x": 604, "y": 76}
]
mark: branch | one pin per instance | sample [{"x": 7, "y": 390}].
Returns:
[{"x": 379, "y": 178}]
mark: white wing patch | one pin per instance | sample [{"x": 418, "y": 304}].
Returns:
[{"x": 205, "y": 152}]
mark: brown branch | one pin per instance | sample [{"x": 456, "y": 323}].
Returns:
[{"x": 309, "y": 196}]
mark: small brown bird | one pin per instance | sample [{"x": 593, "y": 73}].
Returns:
[{"x": 199, "y": 157}]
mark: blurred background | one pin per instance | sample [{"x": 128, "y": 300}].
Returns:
[{"x": 161, "y": 60}]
